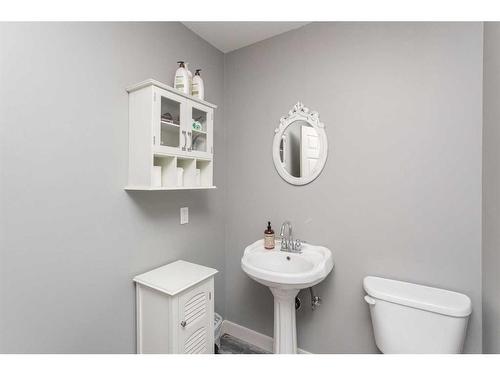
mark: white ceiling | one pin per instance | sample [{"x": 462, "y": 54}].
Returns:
[{"x": 228, "y": 36}]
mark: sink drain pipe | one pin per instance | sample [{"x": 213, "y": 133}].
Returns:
[
  {"x": 298, "y": 303},
  {"x": 315, "y": 301}
]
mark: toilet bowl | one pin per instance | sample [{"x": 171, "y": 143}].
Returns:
[{"x": 411, "y": 318}]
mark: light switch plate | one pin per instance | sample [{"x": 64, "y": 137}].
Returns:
[{"x": 184, "y": 215}]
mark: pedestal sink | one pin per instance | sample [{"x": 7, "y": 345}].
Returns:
[{"x": 286, "y": 274}]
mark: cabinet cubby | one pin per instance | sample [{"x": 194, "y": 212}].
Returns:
[
  {"x": 168, "y": 166},
  {"x": 205, "y": 167}
]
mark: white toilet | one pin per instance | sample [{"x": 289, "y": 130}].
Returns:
[{"x": 411, "y": 318}]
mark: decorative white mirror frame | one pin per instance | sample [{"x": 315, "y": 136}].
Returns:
[{"x": 300, "y": 113}]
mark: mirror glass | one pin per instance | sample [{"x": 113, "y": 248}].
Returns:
[{"x": 299, "y": 149}]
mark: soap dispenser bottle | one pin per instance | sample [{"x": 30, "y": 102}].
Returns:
[
  {"x": 181, "y": 81},
  {"x": 198, "y": 90},
  {"x": 269, "y": 237},
  {"x": 190, "y": 78}
]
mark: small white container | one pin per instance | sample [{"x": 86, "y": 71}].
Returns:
[
  {"x": 156, "y": 176},
  {"x": 180, "y": 176},
  {"x": 198, "y": 176},
  {"x": 217, "y": 328}
]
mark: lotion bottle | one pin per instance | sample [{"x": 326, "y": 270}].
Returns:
[
  {"x": 269, "y": 237},
  {"x": 198, "y": 90},
  {"x": 181, "y": 81},
  {"x": 190, "y": 78}
]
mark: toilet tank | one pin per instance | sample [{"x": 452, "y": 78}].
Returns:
[{"x": 412, "y": 318}]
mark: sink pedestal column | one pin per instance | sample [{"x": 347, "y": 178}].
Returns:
[{"x": 285, "y": 329}]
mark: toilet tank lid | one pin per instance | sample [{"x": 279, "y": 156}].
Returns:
[{"x": 418, "y": 296}]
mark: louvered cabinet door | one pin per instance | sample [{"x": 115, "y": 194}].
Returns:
[{"x": 196, "y": 315}]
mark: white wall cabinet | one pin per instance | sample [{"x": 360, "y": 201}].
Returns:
[
  {"x": 173, "y": 132},
  {"x": 175, "y": 309}
]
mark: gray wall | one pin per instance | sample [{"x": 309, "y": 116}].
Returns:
[
  {"x": 400, "y": 195},
  {"x": 491, "y": 187},
  {"x": 72, "y": 238}
]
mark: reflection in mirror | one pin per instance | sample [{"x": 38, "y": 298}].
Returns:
[{"x": 299, "y": 149}]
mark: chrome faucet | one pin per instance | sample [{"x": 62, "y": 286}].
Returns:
[{"x": 287, "y": 242}]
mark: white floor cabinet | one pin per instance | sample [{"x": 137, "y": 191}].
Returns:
[{"x": 175, "y": 309}]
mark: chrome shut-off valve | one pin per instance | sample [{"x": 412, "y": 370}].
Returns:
[{"x": 315, "y": 300}]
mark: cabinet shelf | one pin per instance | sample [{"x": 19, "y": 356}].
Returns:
[
  {"x": 165, "y": 152},
  {"x": 161, "y": 188},
  {"x": 157, "y": 151},
  {"x": 199, "y": 131},
  {"x": 170, "y": 124}
]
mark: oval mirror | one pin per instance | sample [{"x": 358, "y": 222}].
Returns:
[{"x": 300, "y": 146}]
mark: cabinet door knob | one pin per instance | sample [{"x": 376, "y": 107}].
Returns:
[{"x": 183, "y": 323}]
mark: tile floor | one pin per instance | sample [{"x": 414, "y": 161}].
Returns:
[{"x": 232, "y": 345}]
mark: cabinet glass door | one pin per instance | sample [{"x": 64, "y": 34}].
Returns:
[
  {"x": 168, "y": 115},
  {"x": 201, "y": 130}
]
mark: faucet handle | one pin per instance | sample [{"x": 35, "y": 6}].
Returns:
[
  {"x": 283, "y": 242},
  {"x": 298, "y": 244}
]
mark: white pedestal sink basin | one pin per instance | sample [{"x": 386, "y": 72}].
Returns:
[{"x": 286, "y": 274}]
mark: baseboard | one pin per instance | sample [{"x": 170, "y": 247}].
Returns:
[{"x": 250, "y": 336}]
